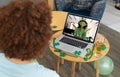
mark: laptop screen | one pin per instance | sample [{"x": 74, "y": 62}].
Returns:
[{"x": 82, "y": 28}]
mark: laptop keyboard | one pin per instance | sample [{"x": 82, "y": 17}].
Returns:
[{"x": 74, "y": 42}]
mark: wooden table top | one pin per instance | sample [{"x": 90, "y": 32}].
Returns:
[
  {"x": 58, "y": 20},
  {"x": 79, "y": 59}
]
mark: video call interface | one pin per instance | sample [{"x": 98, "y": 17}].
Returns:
[{"x": 81, "y": 27}]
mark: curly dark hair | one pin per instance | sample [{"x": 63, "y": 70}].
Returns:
[
  {"x": 25, "y": 29},
  {"x": 85, "y": 26}
]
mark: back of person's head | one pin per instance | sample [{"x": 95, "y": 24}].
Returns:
[{"x": 25, "y": 29}]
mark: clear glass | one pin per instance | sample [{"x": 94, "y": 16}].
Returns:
[{"x": 98, "y": 45}]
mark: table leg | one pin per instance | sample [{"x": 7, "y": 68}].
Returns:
[
  {"x": 58, "y": 64},
  {"x": 62, "y": 61},
  {"x": 73, "y": 69},
  {"x": 79, "y": 66},
  {"x": 97, "y": 68}
]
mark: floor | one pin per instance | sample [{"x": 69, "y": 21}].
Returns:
[{"x": 111, "y": 17}]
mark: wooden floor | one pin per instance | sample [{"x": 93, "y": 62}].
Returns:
[
  {"x": 111, "y": 17},
  {"x": 49, "y": 59}
]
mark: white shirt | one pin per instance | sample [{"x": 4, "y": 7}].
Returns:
[{"x": 10, "y": 69}]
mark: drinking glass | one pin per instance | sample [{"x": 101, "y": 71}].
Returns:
[{"x": 98, "y": 45}]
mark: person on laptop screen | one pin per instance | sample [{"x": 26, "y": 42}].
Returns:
[
  {"x": 81, "y": 27},
  {"x": 81, "y": 30}
]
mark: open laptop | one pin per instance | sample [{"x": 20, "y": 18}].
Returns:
[{"x": 75, "y": 38}]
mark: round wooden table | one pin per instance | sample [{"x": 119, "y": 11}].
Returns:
[
  {"x": 79, "y": 59},
  {"x": 58, "y": 20}
]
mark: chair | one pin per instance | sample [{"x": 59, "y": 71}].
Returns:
[{"x": 91, "y": 8}]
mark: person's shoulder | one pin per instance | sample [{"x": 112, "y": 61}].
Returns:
[{"x": 45, "y": 72}]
